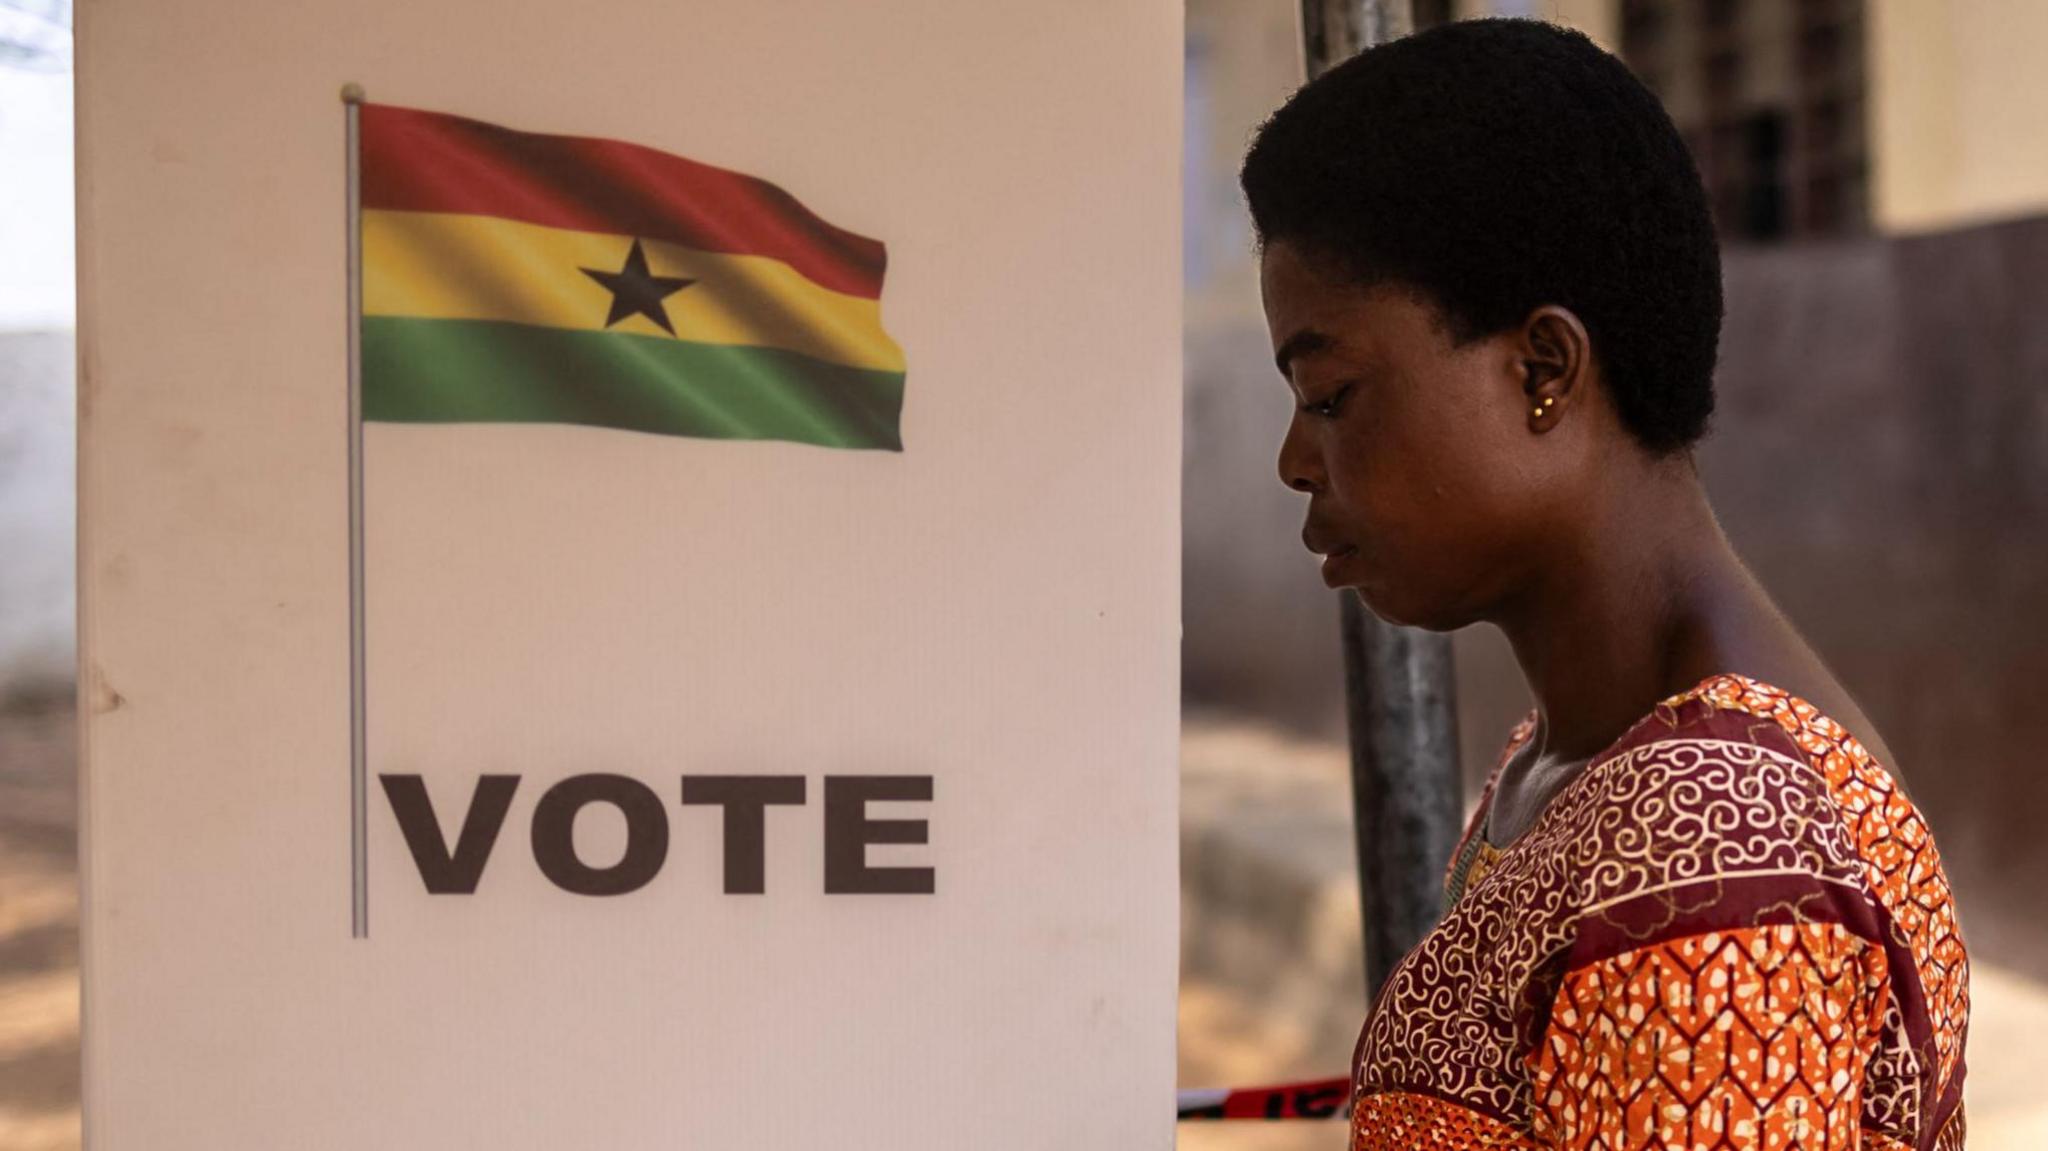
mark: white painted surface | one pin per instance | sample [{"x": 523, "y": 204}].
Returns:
[{"x": 997, "y": 606}]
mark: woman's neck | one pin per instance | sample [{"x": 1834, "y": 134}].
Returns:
[{"x": 1626, "y": 608}]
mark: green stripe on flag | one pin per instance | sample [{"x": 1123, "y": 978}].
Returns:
[{"x": 482, "y": 371}]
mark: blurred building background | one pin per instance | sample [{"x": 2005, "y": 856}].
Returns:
[
  {"x": 36, "y": 294},
  {"x": 38, "y": 820},
  {"x": 1880, "y": 177}
]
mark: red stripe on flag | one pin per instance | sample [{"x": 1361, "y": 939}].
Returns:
[{"x": 416, "y": 161}]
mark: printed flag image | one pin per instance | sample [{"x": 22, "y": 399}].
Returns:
[
  {"x": 507, "y": 277},
  {"x": 516, "y": 277}
]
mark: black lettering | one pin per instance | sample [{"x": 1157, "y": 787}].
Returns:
[
  {"x": 448, "y": 872},
  {"x": 745, "y": 799},
  {"x": 848, "y": 831},
  {"x": 554, "y": 838}
]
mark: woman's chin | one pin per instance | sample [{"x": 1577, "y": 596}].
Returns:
[
  {"x": 1405, "y": 611},
  {"x": 1390, "y": 600}
]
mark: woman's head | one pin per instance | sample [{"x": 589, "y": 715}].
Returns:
[{"x": 1492, "y": 282}]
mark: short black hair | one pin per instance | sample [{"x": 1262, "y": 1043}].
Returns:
[{"x": 1497, "y": 166}]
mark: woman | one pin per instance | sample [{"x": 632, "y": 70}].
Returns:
[{"x": 1694, "y": 907}]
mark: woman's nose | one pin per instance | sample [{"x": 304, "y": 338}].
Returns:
[{"x": 1301, "y": 467}]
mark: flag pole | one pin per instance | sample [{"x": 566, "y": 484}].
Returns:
[{"x": 358, "y": 766}]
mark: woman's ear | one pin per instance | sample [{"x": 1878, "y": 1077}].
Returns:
[{"x": 1556, "y": 357}]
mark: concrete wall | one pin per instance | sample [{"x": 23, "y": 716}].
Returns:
[
  {"x": 1599, "y": 19},
  {"x": 37, "y": 650},
  {"x": 1882, "y": 461},
  {"x": 1958, "y": 111},
  {"x": 1958, "y": 103}
]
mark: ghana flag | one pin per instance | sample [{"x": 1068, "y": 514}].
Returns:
[{"x": 516, "y": 277}]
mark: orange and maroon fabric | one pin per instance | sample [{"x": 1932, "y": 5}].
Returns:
[{"x": 1732, "y": 930}]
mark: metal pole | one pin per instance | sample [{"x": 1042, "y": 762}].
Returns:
[
  {"x": 358, "y": 757},
  {"x": 1401, "y": 706},
  {"x": 1333, "y": 31},
  {"x": 1399, "y": 692}
]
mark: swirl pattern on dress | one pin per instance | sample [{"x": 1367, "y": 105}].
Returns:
[{"x": 1733, "y": 807}]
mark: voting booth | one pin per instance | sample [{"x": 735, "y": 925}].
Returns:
[{"x": 629, "y": 563}]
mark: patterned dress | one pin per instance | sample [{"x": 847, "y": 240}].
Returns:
[{"x": 1732, "y": 930}]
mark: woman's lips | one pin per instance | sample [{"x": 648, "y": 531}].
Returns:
[{"x": 1334, "y": 561}]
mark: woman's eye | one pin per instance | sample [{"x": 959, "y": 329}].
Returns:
[{"x": 1328, "y": 406}]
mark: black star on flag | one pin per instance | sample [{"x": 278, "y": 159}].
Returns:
[{"x": 638, "y": 292}]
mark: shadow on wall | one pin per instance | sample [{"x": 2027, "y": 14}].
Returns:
[
  {"x": 37, "y": 510},
  {"x": 1880, "y": 458}
]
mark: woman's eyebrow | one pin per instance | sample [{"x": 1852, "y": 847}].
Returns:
[{"x": 1308, "y": 341}]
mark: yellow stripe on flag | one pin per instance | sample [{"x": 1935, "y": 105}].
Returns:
[{"x": 437, "y": 265}]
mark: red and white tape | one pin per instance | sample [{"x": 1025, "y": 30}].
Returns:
[{"x": 1317, "y": 1099}]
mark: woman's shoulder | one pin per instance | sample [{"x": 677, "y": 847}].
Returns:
[
  {"x": 1731, "y": 721},
  {"x": 1739, "y": 813},
  {"x": 1711, "y": 790},
  {"x": 1744, "y": 789},
  {"x": 1733, "y": 736},
  {"x": 1743, "y": 774},
  {"x": 1735, "y": 798}
]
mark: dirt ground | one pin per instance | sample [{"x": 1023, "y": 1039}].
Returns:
[{"x": 38, "y": 930}]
